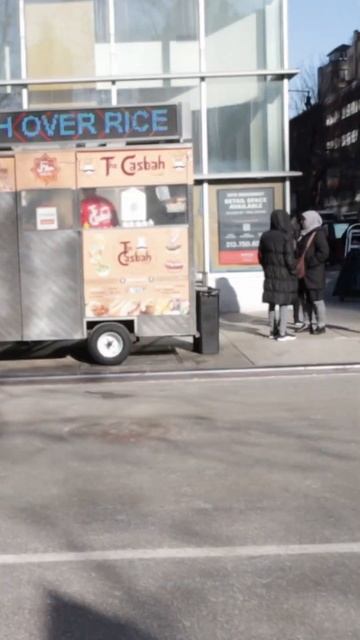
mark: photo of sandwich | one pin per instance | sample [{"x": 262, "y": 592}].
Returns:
[{"x": 174, "y": 265}]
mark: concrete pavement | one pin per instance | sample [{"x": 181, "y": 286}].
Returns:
[
  {"x": 243, "y": 339},
  {"x": 244, "y": 344},
  {"x": 249, "y": 469}
]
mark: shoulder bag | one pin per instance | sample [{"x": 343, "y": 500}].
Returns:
[{"x": 300, "y": 264}]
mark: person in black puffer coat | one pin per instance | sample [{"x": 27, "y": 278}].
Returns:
[
  {"x": 313, "y": 242},
  {"x": 277, "y": 258}
]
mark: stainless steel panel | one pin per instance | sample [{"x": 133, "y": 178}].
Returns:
[
  {"x": 192, "y": 270},
  {"x": 153, "y": 326},
  {"x": 51, "y": 285},
  {"x": 10, "y": 308}
]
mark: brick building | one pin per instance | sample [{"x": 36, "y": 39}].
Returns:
[{"x": 326, "y": 138}]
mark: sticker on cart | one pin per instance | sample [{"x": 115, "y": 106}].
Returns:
[
  {"x": 46, "y": 219},
  {"x": 133, "y": 206}
]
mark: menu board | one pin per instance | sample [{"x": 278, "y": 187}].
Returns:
[
  {"x": 244, "y": 214},
  {"x": 132, "y": 272}
]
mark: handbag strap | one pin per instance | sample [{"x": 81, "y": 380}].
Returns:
[{"x": 308, "y": 244}]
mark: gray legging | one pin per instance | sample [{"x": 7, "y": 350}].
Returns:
[
  {"x": 275, "y": 323},
  {"x": 318, "y": 307},
  {"x": 320, "y": 312}
]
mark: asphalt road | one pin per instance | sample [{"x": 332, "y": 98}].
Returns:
[{"x": 181, "y": 510}]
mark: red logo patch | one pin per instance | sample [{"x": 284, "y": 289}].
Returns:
[{"x": 46, "y": 169}]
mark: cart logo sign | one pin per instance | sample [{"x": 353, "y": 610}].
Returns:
[
  {"x": 131, "y": 166},
  {"x": 46, "y": 169},
  {"x": 128, "y": 255}
]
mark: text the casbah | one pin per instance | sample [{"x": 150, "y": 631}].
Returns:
[{"x": 130, "y": 165}]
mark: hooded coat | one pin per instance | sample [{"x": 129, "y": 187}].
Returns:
[
  {"x": 277, "y": 258},
  {"x": 316, "y": 255}
]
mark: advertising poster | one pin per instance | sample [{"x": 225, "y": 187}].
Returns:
[
  {"x": 131, "y": 272},
  {"x": 243, "y": 214}
]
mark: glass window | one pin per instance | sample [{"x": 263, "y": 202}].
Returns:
[
  {"x": 67, "y": 96},
  {"x": 173, "y": 92},
  {"x": 243, "y": 35},
  {"x": 155, "y": 37},
  {"x": 10, "y": 98},
  {"x": 60, "y": 38},
  {"x": 101, "y": 17},
  {"x": 245, "y": 125},
  {"x": 37, "y": 203},
  {"x": 10, "y": 67},
  {"x": 130, "y": 207}
]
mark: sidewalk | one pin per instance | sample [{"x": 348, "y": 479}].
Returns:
[
  {"x": 244, "y": 344},
  {"x": 340, "y": 344}
]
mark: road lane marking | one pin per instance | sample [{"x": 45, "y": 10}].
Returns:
[{"x": 185, "y": 553}]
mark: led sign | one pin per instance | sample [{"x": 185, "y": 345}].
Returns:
[{"x": 132, "y": 123}]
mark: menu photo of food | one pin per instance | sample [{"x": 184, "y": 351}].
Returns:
[
  {"x": 171, "y": 303},
  {"x": 97, "y": 309},
  {"x": 97, "y": 258}
]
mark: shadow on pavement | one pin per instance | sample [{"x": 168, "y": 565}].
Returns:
[
  {"x": 336, "y": 327},
  {"x": 159, "y": 346},
  {"x": 243, "y": 318},
  {"x": 228, "y": 298},
  {"x": 241, "y": 323},
  {"x": 71, "y": 620},
  {"x": 33, "y": 350},
  {"x": 78, "y": 351}
]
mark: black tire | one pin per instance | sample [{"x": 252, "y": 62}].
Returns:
[{"x": 119, "y": 343}]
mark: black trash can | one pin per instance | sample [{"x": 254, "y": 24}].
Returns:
[{"x": 207, "y": 321}]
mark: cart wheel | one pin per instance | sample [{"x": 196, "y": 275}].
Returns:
[{"x": 109, "y": 343}]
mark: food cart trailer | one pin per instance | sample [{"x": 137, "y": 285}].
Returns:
[{"x": 96, "y": 233}]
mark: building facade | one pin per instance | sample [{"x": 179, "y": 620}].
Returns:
[
  {"x": 339, "y": 93},
  {"x": 325, "y": 139},
  {"x": 225, "y": 60},
  {"x": 308, "y": 157}
]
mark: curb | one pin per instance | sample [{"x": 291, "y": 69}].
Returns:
[{"x": 189, "y": 374}]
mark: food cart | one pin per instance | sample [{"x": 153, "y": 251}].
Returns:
[{"x": 96, "y": 233}]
